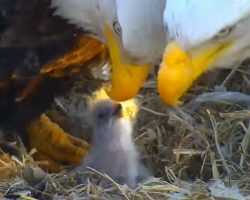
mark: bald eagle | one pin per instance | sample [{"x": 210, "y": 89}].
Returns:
[
  {"x": 202, "y": 35},
  {"x": 42, "y": 56}
]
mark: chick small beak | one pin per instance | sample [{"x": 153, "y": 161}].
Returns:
[
  {"x": 126, "y": 79},
  {"x": 180, "y": 69},
  {"x": 117, "y": 111}
]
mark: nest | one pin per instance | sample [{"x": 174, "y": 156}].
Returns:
[{"x": 197, "y": 151}]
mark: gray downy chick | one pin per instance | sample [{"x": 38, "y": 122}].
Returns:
[{"x": 113, "y": 151}]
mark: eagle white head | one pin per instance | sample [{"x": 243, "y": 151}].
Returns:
[
  {"x": 133, "y": 30},
  {"x": 202, "y": 35}
]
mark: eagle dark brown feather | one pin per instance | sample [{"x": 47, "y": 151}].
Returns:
[{"x": 30, "y": 38}]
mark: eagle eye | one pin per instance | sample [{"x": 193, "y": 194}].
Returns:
[
  {"x": 117, "y": 28},
  {"x": 224, "y": 32}
]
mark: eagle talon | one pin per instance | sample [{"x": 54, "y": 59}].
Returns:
[{"x": 55, "y": 145}]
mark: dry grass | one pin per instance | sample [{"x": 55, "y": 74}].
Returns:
[{"x": 197, "y": 151}]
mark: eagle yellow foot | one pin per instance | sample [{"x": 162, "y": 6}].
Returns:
[{"x": 54, "y": 145}]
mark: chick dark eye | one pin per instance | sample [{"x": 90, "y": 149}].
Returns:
[
  {"x": 117, "y": 28},
  {"x": 101, "y": 115}
]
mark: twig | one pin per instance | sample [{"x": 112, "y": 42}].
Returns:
[
  {"x": 212, "y": 120},
  {"x": 110, "y": 179},
  {"x": 153, "y": 112},
  {"x": 230, "y": 75},
  {"x": 244, "y": 143}
]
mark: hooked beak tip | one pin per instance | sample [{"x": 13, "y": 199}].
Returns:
[{"x": 117, "y": 111}]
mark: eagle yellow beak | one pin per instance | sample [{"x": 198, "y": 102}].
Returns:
[
  {"x": 126, "y": 79},
  {"x": 180, "y": 69}
]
